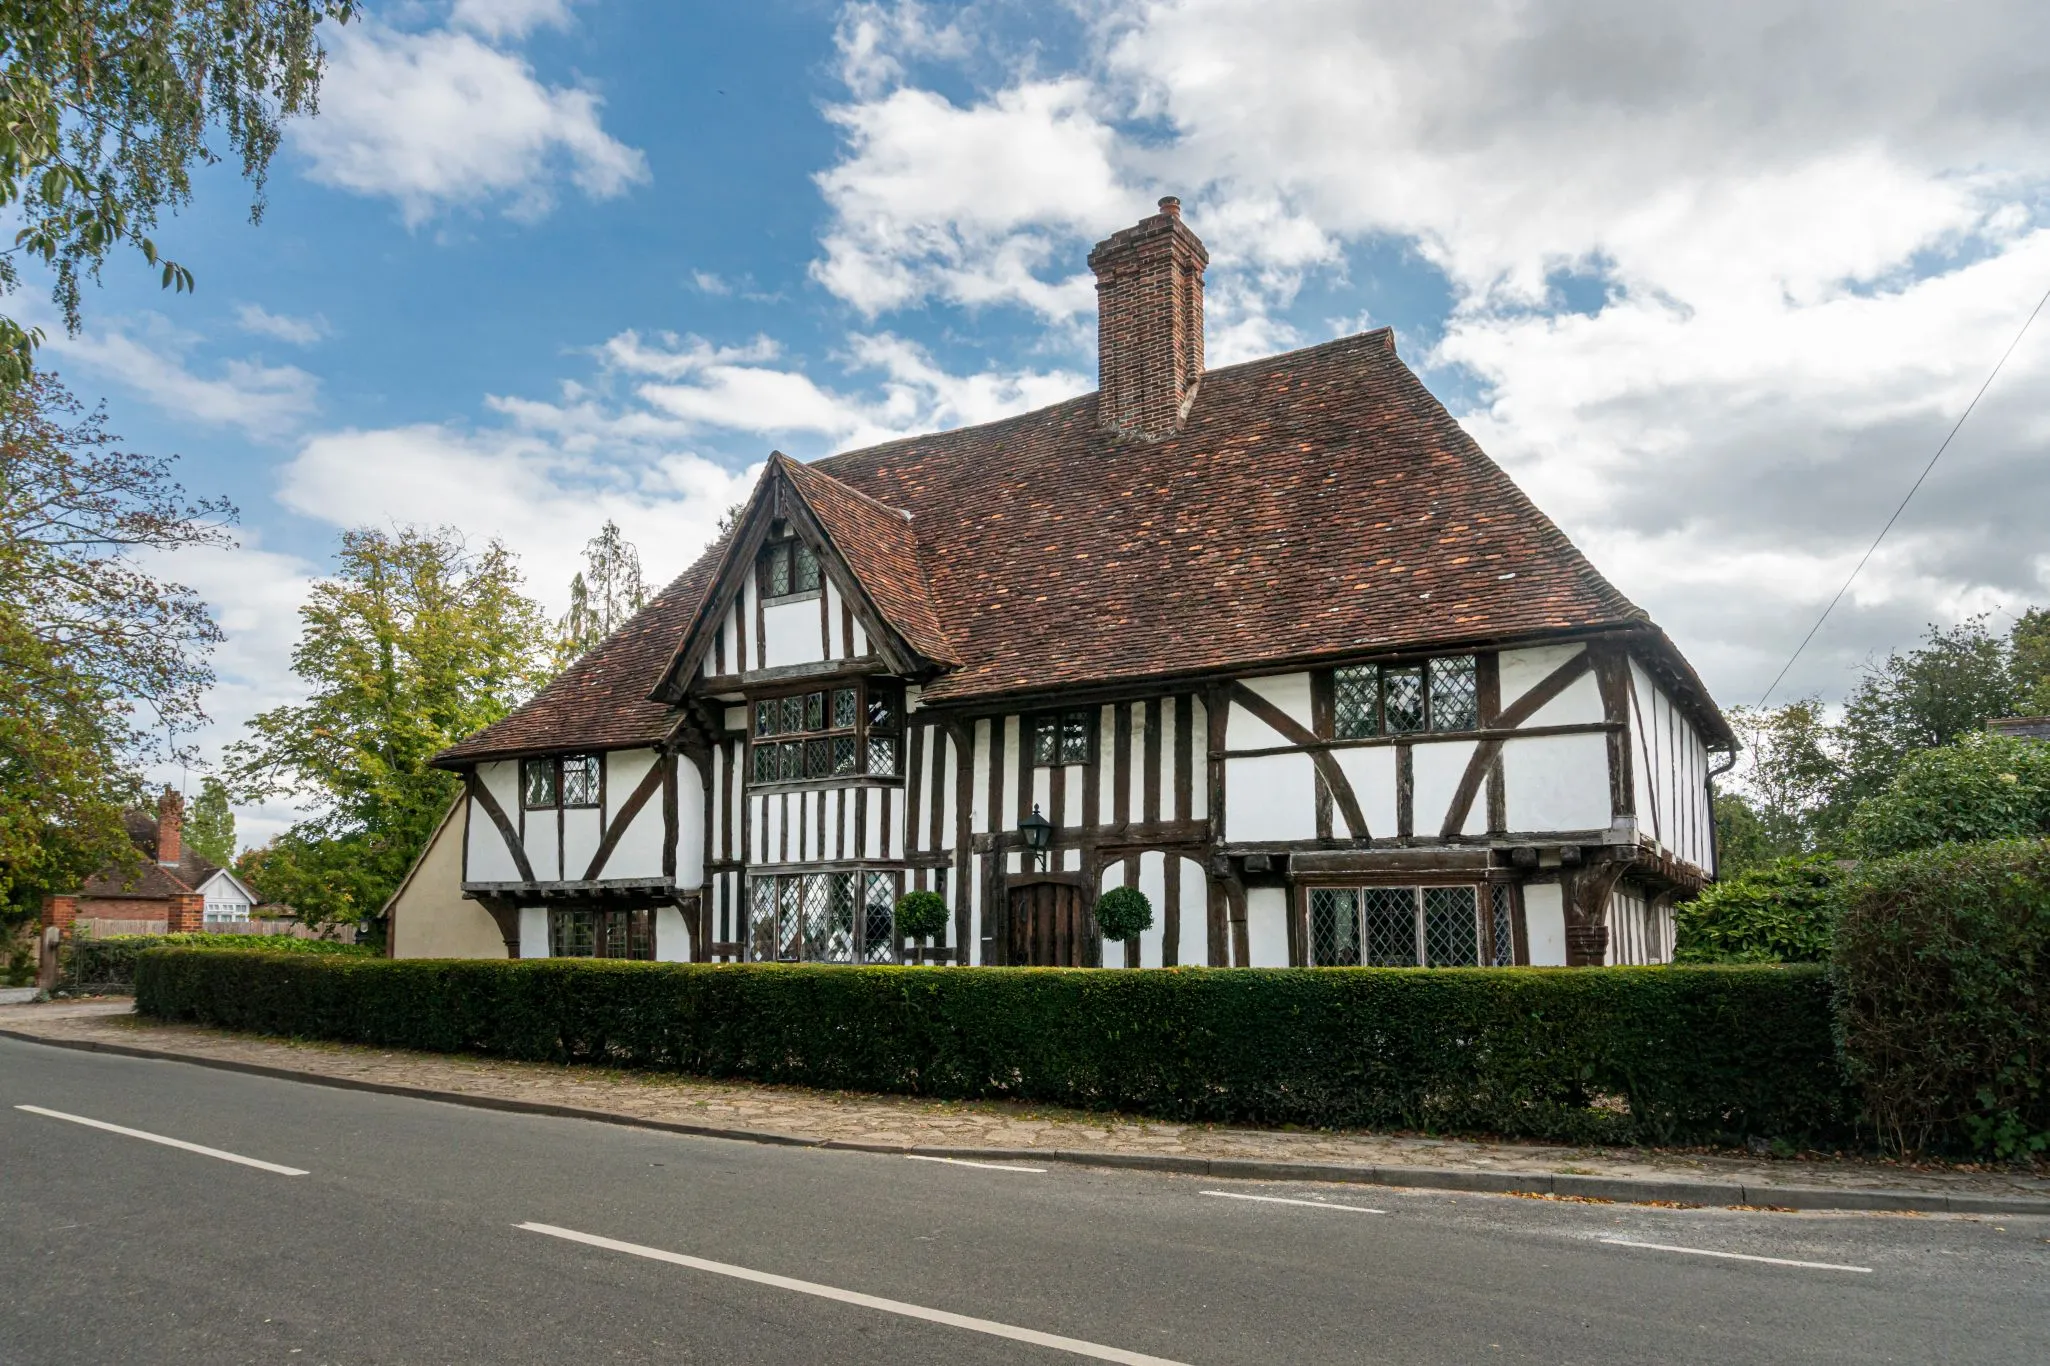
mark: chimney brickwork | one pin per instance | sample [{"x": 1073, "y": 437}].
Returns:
[
  {"x": 1149, "y": 324},
  {"x": 170, "y": 829}
]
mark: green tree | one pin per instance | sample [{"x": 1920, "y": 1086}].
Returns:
[
  {"x": 102, "y": 662},
  {"x": 604, "y": 593},
  {"x": 2029, "y": 648},
  {"x": 210, "y": 824},
  {"x": 107, "y": 105},
  {"x": 1741, "y": 841},
  {"x": 1788, "y": 779},
  {"x": 1782, "y": 911},
  {"x": 414, "y": 643},
  {"x": 1984, "y": 787},
  {"x": 1919, "y": 699}
]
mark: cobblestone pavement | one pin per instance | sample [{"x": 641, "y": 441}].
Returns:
[{"x": 911, "y": 1122}]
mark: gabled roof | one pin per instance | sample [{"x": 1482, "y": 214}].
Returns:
[
  {"x": 601, "y": 701},
  {"x": 150, "y": 880},
  {"x": 1313, "y": 505}
]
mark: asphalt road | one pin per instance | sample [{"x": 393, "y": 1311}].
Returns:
[{"x": 411, "y": 1238}]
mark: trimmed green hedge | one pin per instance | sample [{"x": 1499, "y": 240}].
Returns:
[
  {"x": 1594, "y": 1054},
  {"x": 109, "y": 963},
  {"x": 1942, "y": 963}
]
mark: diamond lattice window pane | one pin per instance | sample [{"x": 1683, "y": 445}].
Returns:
[
  {"x": 882, "y": 756},
  {"x": 765, "y": 764},
  {"x": 580, "y": 780},
  {"x": 814, "y": 711},
  {"x": 1455, "y": 694},
  {"x": 1451, "y": 931},
  {"x": 790, "y": 760},
  {"x": 1354, "y": 695},
  {"x": 879, "y": 920},
  {"x": 843, "y": 709},
  {"x": 807, "y": 568},
  {"x": 1075, "y": 737},
  {"x": 1334, "y": 928},
  {"x": 1500, "y": 899},
  {"x": 1391, "y": 927},
  {"x": 1046, "y": 740},
  {"x": 571, "y": 934},
  {"x": 793, "y": 714},
  {"x": 765, "y": 718},
  {"x": 779, "y": 572},
  {"x": 818, "y": 758},
  {"x": 882, "y": 711},
  {"x": 762, "y": 921},
  {"x": 538, "y": 786},
  {"x": 843, "y": 754},
  {"x": 790, "y": 918},
  {"x": 1402, "y": 700}
]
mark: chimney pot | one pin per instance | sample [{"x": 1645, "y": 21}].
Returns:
[
  {"x": 170, "y": 829},
  {"x": 1149, "y": 324}
]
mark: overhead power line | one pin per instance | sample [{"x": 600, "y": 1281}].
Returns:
[{"x": 2026, "y": 322}]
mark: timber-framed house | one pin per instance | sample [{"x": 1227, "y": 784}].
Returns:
[{"x": 1276, "y": 643}]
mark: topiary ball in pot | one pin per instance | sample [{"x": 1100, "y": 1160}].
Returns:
[
  {"x": 921, "y": 915},
  {"x": 1124, "y": 912}
]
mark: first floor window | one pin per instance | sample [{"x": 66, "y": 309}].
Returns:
[
  {"x": 601, "y": 934},
  {"x": 1411, "y": 927},
  {"x": 537, "y": 783},
  {"x": 1063, "y": 738},
  {"x": 823, "y": 918},
  {"x": 571, "y": 780},
  {"x": 1389, "y": 699},
  {"x": 829, "y": 733}
]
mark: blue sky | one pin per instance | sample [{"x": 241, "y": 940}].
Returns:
[{"x": 1710, "y": 286}]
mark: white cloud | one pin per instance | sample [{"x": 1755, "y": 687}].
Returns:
[
  {"x": 440, "y": 118},
  {"x": 154, "y": 360},
  {"x": 264, "y": 323},
  {"x": 509, "y": 18},
  {"x": 1809, "y": 231}
]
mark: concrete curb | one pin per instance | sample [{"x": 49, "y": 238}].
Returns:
[{"x": 1622, "y": 1189}]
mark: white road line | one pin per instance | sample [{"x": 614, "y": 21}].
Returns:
[
  {"x": 986, "y": 1166},
  {"x": 1284, "y": 1200},
  {"x": 167, "y": 1142},
  {"x": 829, "y": 1292},
  {"x": 1737, "y": 1256}
]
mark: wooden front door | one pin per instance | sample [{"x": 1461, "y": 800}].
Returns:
[{"x": 1049, "y": 923}]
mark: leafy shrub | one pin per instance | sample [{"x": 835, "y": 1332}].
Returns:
[
  {"x": 1596, "y": 1054},
  {"x": 1123, "y": 912},
  {"x": 1984, "y": 787},
  {"x": 109, "y": 963},
  {"x": 1779, "y": 912},
  {"x": 1942, "y": 963},
  {"x": 921, "y": 915}
]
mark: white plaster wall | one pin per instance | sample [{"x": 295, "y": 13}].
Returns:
[
  {"x": 1371, "y": 772},
  {"x": 837, "y": 643},
  {"x": 1199, "y": 769},
  {"x": 490, "y": 860},
  {"x": 1522, "y": 670},
  {"x": 1556, "y": 782},
  {"x": 672, "y": 940},
  {"x": 690, "y": 828},
  {"x": 533, "y": 932},
  {"x": 1267, "y": 927},
  {"x": 1544, "y": 924},
  {"x": 791, "y": 631},
  {"x": 978, "y": 784},
  {"x": 1289, "y": 692},
  {"x": 1271, "y": 797},
  {"x": 581, "y": 835},
  {"x": 637, "y": 853},
  {"x": 1153, "y": 882},
  {"x": 544, "y": 845},
  {"x": 1436, "y": 769},
  {"x": 860, "y": 640}
]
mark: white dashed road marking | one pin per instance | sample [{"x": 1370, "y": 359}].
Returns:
[
  {"x": 1736, "y": 1256},
  {"x": 1284, "y": 1200},
  {"x": 167, "y": 1142}
]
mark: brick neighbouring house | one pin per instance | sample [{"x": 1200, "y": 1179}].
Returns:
[
  {"x": 171, "y": 884},
  {"x": 1276, "y": 643}
]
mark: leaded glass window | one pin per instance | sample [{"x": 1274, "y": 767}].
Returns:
[
  {"x": 814, "y": 711},
  {"x": 1391, "y": 927},
  {"x": 1501, "y": 902},
  {"x": 844, "y": 709},
  {"x": 765, "y": 764},
  {"x": 844, "y": 732},
  {"x": 779, "y": 573},
  {"x": 790, "y": 761},
  {"x": 843, "y": 755},
  {"x": 580, "y": 780},
  {"x": 1451, "y": 928},
  {"x": 793, "y": 712},
  {"x": 1334, "y": 927},
  {"x": 788, "y": 566},
  {"x": 818, "y": 758},
  {"x": 882, "y": 756},
  {"x": 767, "y": 713},
  {"x": 879, "y": 918},
  {"x": 790, "y": 918},
  {"x": 537, "y": 783},
  {"x": 1075, "y": 730},
  {"x": 1356, "y": 699},
  {"x": 762, "y": 921},
  {"x": 1455, "y": 694},
  {"x": 1402, "y": 700},
  {"x": 601, "y": 934},
  {"x": 1067, "y": 737},
  {"x": 804, "y": 573}
]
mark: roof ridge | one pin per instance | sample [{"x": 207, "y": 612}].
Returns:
[{"x": 812, "y": 469}]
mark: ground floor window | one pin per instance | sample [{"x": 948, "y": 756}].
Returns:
[
  {"x": 823, "y": 918},
  {"x": 1412, "y": 927},
  {"x": 601, "y": 934}
]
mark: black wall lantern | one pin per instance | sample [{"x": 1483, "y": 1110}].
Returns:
[{"x": 1037, "y": 832}]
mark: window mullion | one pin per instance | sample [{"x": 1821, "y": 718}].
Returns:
[{"x": 1422, "y": 934}]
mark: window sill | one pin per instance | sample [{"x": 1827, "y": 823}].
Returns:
[
  {"x": 777, "y": 600},
  {"x": 815, "y": 784}
]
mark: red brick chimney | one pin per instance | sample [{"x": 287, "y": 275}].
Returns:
[
  {"x": 170, "y": 828},
  {"x": 1149, "y": 324}
]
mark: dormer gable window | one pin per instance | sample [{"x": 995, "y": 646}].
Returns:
[{"x": 787, "y": 568}]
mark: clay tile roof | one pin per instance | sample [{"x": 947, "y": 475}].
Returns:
[
  {"x": 601, "y": 701},
  {"x": 148, "y": 879},
  {"x": 880, "y": 545},
  {"x": 1313, "y": 504}
]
